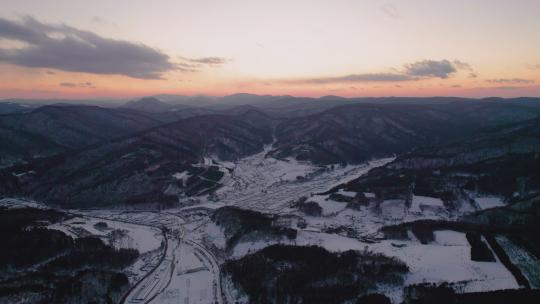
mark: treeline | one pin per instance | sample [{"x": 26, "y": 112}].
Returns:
[
  {"x": 445, "y": 294},
  {"x": 479, "y": 249},
  {"x": 91, "y": 252},
  {"x": 298, "y": 274},
  {"x": 519, "y": 222},
  {"x": 87, "y": 286},
  {"x": 238, "y": 223},
  {"x": 505, "y": 259},
  {"x": 423, "y": 229}
]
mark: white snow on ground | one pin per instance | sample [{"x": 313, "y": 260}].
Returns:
[
  {"x": 155, "y": 219},
  {"x": 143, "y": 265},
  {"x": 64, "y": 228},
  {"x": 420, "y": 201},
  {"x": 215, "y": 234},
  {"x": 369, "y": 194},
  {"x": 487, "y": 202},
  {"x": 445, "y": 260},
  {"x": 331, "y": 242},
  {"x": 142, "y": 238},
  {"x": 329, "y": 207},
  {"x": 12, "y": 203},
  {"x": 288, "y": 170},
  {"x": 206, "y": 205},
  {"x": 393, "y": 209},
  {"x": 178, "y": 275},
  {"x": 183, "y": 176},
  {"x": 347, "y": 193},
  {"x": 244, "y": 248},
  {"x": 268, "y": 184},
  {"x": 450, "y": 238},
  {"x": 191, "y": 280},
  {"x": 527, "y": 263}
]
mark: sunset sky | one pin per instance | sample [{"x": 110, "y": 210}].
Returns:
[{"x": 125, "y": 49}]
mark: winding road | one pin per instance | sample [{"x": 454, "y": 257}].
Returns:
[{"x": 158, "y": 280}]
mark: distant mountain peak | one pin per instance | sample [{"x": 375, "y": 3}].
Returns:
[
  {"x": 148, "y": 104},
  {"x": 332, "y": 97}
]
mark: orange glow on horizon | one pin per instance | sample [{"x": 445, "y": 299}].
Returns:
[{"x": 300, "y": 48}]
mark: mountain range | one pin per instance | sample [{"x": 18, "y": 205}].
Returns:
[{"x": 91, "y": 155}]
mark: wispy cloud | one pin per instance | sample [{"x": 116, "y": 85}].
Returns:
[
  {"x": 87, "y": 85},
  {"x": 208, "y": 60},
  {"x": 510, "y": 81},
  {"x": 390, "y": 10},
  {"x": 507, "y": 88},
  {"x": 375, "y": 77},
  {"x": 101, "y": 21},
  {"x": 69, "y": 49},
  {"x": 196, "y": 64}
]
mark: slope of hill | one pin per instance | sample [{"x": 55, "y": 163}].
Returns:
[
  {"x": 489, "y": 170},
  {"x": 156, "y": 165},
  {"x": 359, "y": 132},
  {"x": 7, "y": 107},
  {"x": 51, "y": 129},
  {"x": 148, "y": 104}
]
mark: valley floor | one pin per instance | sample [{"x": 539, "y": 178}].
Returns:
[{"x": 181, "y": 249}]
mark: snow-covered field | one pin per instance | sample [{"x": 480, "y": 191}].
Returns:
[
  {"x": 188, "y": 272},
  {"x": 20, "y": 203},
  {"x": 329, "y": 207},
  {"x": 487, "y": 202},
  {"x": 269, "y": 184},
  {"x": 191, "y": 280},
  {"x": 420, "y": 203},
  {"x": 445, "y": 260},
  {"x": 142, "y": 238}
]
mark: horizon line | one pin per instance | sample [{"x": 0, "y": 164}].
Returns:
[{"x": 4, "y": 99}]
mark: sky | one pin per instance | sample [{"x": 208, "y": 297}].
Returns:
[{"x": 125, "y": 49}]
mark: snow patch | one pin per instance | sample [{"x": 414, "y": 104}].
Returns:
[
  {"x": 421, "y": 201},
  {"x": 488, "y": 202}
]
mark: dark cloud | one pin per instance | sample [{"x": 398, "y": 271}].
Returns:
[
  {"x": 431, "y": 68},
  {"x": 87, "y": 85},
  {"x": 69, "y": 49},
  {"x": 510, "y": 81}
]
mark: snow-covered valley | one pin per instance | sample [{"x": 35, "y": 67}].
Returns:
[{"x": 182, "y": 248}]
